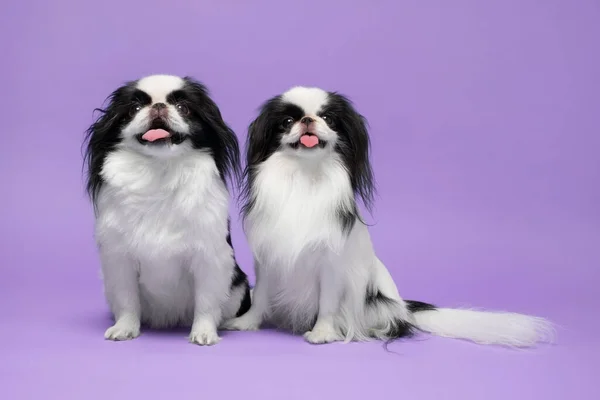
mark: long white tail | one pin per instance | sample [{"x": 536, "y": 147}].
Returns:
[{"x": 485, "y": 327}]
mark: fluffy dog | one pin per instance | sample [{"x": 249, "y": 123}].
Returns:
[
  {"x": 317, "y": 273},
  {"x": 158, "y": 159}
]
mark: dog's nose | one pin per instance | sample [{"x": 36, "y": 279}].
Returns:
[
  {"x": 307, "y": 120},
  {"x": 159, "y": 110}
]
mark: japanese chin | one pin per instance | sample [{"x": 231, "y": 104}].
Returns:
[
  {"x": 317, "y": 272},
  {"x": 159, "y": 157}
]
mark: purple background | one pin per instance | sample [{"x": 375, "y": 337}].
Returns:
[{"x": 484, "y": 119}]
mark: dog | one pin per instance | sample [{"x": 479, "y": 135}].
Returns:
[
  {"x": 307, "y": 171},
  {"x": 159, "y": 157}
]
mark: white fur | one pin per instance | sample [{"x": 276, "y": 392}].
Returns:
[
  {"x": 310, "y": 99},
  {"x": 161, "y": 227},
  {"x": 306, "y": 266},
  {"x": 160, "y": 86},
  {"x": 483, "y": 327}
]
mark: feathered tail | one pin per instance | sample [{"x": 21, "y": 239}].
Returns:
[{"x": 483, "y": 327}]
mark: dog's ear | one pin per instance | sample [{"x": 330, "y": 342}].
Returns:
[
  {"x": 222, "y": 138},
  {"x": 263, "y": 134},
  {"x": 262, "y": 141},
  {"x": 257, "y": 142},
  {"x": 103, "y": 135},
  {"x": 355, "y": 148}
]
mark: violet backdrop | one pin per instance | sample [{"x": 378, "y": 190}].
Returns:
[{"x": 484, "y": 123}]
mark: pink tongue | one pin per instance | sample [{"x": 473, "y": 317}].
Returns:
[
  {"x": 309, "y": 140},
  {"x": 155, "y": 134}
]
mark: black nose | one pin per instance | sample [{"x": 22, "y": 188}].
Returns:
[
  {"x": 307, "y": 120},
  {"x": 159, "y": 110}
]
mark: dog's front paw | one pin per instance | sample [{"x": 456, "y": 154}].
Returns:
[
  {"x": 204, "y": 336},
  {"x": 321, "y": 336},
  {"x": 243, "y": 323},
  {"x": 123, "y": 330}
]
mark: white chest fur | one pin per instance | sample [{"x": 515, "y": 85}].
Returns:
[
  {"x": 161, "y": 208},
  {"x": 296, "y": 208}
]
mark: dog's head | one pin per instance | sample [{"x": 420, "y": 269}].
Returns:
[
  {"x": 310, "y": 125},
  {"x": 161, "y": 116}
]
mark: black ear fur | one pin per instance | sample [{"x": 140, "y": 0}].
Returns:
[
  {"x": 261, "y": 142},
  {"x": 354, "y": 146},
  {"x": 263, "y": 134},
  {"x": 103, "y": 136},
  {"x": 220, "y": 138}
]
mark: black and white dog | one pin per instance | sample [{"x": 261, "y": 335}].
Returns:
[
  {"x": 317, "y": 273},
  {"x": 158, "y": 159}
]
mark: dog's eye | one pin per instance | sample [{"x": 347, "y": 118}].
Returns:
[
  {"x": 329, "y": 120},
  {"x": 287, "y": 122},
  {"x": 134, "y": 109},
  {"x": 183, "y": 109}
]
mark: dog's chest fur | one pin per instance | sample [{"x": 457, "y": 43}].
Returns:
[
  {"x": 294, "y": 231},
  {"x": 296, "y": 207},
  {"x": 161, "y": 208}
]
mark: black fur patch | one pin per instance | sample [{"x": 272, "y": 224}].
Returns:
[
  {"x": 399, "y": 328},
  {"x": 245, "y": 304},
  {"x": 239, "y": 278},
  {"x": 416, "y": 306},
  {"x": 374, "y": 297},
  {"x": 211, "y": 131},
  {"x": 353, "y": 144},
  {"x": 104, "y": 134},
  {"x": 347, "y": 219}
]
